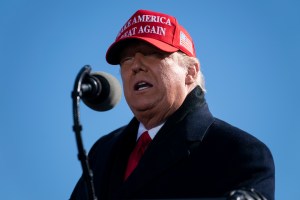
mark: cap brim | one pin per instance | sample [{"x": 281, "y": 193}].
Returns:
[{"x": 113, "y": 52}]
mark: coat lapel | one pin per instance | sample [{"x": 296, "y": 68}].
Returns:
[
  {"x": 161, "y": 154},
  {"x": 115, "y": 167}
]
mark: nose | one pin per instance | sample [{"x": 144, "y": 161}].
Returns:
[{"x": 138, "y": 63}]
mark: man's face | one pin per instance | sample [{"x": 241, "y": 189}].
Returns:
[{"x": 153, "y": 82}]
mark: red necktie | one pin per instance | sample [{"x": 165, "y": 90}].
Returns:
[{"x": 137, "y": 153}]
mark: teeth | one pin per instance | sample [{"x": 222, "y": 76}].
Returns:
[{"x": 142, "y": 85}]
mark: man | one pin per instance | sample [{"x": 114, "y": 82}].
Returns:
[{"x": 187, "y": 152}]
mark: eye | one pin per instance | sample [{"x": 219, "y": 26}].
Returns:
[{"x": 126, "y": 59}]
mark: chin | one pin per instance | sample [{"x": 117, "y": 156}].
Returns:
[{"x": 142, "y": 107}]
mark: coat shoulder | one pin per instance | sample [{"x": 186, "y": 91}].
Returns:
[
  {"x": 223, "y": 138},
  {"x": 105, "y": 140},
  {"x": 221, "y": 130},
  {"x": 246, "y": 158}
]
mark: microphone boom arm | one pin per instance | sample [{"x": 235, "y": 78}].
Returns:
[{"x": 76, "y": 96}]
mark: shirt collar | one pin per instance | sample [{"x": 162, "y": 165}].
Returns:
[{"x": 152, "y": 132}]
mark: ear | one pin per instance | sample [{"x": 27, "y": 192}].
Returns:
[{"x": 192, "y": 73}]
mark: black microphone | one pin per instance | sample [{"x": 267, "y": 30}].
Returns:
[{"x": 100, "y": 91}]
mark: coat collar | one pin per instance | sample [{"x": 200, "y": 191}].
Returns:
[{"x": 193, "y": 116}]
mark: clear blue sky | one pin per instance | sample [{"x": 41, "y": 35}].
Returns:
[{"x": 249, "y": 52}]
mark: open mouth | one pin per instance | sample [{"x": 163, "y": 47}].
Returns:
[{"x": 142, "y": 86}]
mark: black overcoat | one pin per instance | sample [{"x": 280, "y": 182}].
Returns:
[{"x": 193, "y": 155}]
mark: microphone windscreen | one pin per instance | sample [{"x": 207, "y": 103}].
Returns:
[{"x": 109, "y": 96}]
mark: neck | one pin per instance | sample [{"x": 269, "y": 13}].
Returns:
[{"x": 151, "y": 119}]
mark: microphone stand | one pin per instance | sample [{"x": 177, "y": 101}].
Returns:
[{"x": 76, "y": 95}]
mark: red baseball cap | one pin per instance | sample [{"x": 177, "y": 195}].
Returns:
[{"x": 161, "y": 30}]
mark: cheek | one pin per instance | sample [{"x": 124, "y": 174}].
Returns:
[
  {"x": 125, "y": 83},
  {"x": 124, "y": 76},
  {"x": 174, "y": 78}
]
